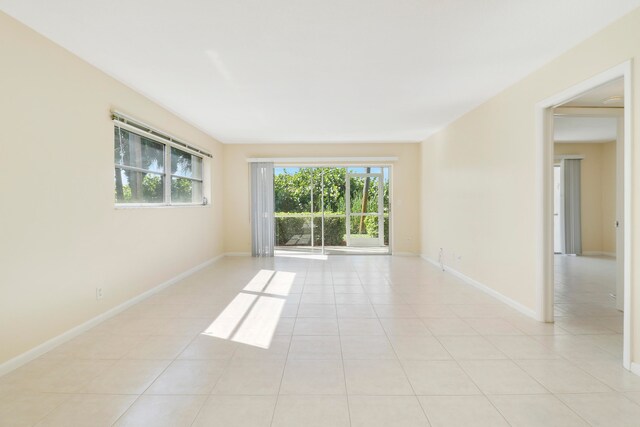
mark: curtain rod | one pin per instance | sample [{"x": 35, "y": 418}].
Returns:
[{"x": 123, "y": 119}]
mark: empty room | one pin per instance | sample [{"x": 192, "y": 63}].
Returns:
[{"x": 300, "y": 213}]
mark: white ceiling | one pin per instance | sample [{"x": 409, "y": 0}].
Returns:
[
  {"x": 591, "y": 129},
  {"x": 584, "y": 129},
  {"x": 318, "y": 71},
  {"x": 595, "y": 97}
]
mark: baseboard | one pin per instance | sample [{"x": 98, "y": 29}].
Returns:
[
  {"x": 431, "y": 261},
  {"x": 405, "y": 254},
  {"x": 599, "y": 253},
  {"x": 635, "y": 368},
  {"x": 497, "y": 295},
  {"x": 237, "y": 254},
  {"x": 39, "y": 350}
]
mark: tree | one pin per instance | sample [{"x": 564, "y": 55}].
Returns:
[
  {"x": 293, "y": 189},
  {"x": 133, "y": 150},
  {"x": 365, "y": 200}
]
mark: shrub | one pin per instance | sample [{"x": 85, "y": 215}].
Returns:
[
  {"x": 334, "y": 231},
  {"x": 371, "y": 224},
  {"x": 295, "y": 231}
]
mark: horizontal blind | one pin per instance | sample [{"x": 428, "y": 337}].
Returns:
[{"x": 134, "y": 125}]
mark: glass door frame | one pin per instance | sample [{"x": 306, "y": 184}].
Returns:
[
  {"x": 312, "y": 248},
  {"x": 380, "y": 210}
]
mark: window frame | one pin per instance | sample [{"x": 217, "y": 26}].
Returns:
[
  {"x": 122, "y": 122},
  {"x": 171, "y": 175}
]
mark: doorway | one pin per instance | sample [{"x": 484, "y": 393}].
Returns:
[
  {"x": 339, "y": 210},
  {"x": 365, "y": 208},
  {"x": 576, "y": 102}
]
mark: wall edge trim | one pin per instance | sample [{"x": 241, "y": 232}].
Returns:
[
  {"x": 54, "y": 342},
  {"x": 403, "y": 254},
  {"x": 599, "y": 253},
  {"x": 486, "y": 289}
]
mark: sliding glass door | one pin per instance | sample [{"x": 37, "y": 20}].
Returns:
[
  {"x": 294, "y": 208},
  {"x": 332, "y": 210},
  {"x": 365, "y": 212}
]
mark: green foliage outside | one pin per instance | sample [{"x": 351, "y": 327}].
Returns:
[
  {"x": 152, "y": 188},
  {"x": 293, "y": 206},
  {"x": 142, "y": 187},
  {"x": 295, "y": 229},
  {"x": 293, "y": 191},
  {"x": 371, "y": 223},
  {"x": 181, "y": 190}
]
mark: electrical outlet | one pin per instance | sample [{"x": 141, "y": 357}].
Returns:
[{"x": 99, "y": 293}]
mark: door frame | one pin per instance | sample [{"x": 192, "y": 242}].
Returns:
[
  {"x": 544, "y": 168},
  {"x": 380, "y": 201},
  {"x": 620, "y": 168}
]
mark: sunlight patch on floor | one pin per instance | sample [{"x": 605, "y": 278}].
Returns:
[
  {"x": 253, "y": 315},
  {"x": 280, "y": 283},
  {"x": 259, "y": 281},
  {"x": 227, "y": 322},
  {"x": 261, "y": 322}
]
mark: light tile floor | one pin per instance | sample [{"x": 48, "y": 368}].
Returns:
[{"x": 337, "y": 341}]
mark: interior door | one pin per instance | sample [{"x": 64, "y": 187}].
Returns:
[{"x": 365, "y": 209}]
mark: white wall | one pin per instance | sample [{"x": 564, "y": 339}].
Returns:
[
  {"x": 60, "y": 234},
  {"x": 480, "y": 184},
  {"x": 609, "y": 215}
]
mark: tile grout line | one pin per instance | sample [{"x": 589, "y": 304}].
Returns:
[
  {"x": 344, "y": 369},
  {"x": 210, "y": 394},
  {"x": 515, "y": 361},
  {"x": 286, "y": 359},
  {"x": 483, "y": 393},
  {"x": 167, "y": 367},
  {"x": 404, "y": 371},
  {"x": 518, "y": 362}
]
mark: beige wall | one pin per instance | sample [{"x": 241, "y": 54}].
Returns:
[
  {"x": 609, "y": 198},
  {"x": 404, "y": 181},
  {"x": 61, "y": 236},
  {"x": 480, "y": 185},
  {"x": 598, "y": 194}
]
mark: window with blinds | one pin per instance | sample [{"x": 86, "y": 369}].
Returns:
[{"x": 152, "y": 168}]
